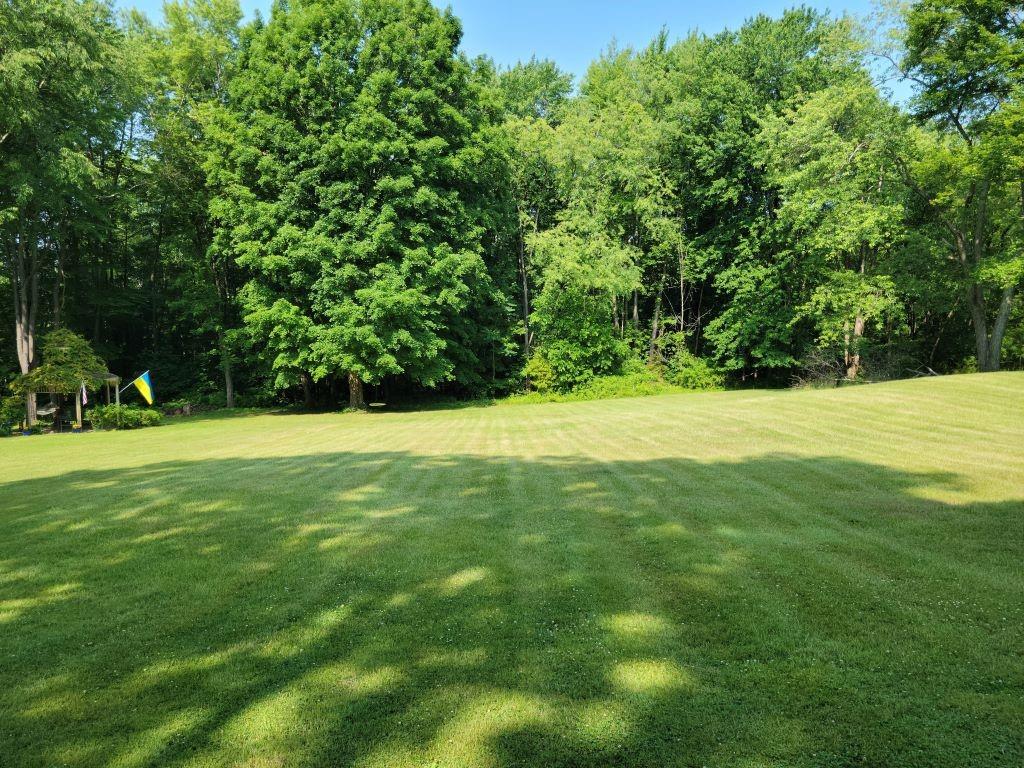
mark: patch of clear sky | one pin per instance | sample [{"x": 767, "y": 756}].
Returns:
[{"x": 573, "y": 33}]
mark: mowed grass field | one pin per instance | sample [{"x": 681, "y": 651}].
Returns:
[{"x": 809, "y": 578}]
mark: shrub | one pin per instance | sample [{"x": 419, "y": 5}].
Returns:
[
  {"x": 180, "y": 407},
  {"x": 566, "y": 365},
  {"x": 12, "y": 409},
  {"x": 682, "y": 368},
  {"x": 685, "y": 369},
  {"x": 688, "y": 371},
  {"x": 124, "y": 417},
  {"x": 646, "y": 382},
  {"x": 970, "y": 365},
  {"x": 539, "y": 373}
]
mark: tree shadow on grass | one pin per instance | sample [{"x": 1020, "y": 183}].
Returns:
[{"x": 386, "y": 608}]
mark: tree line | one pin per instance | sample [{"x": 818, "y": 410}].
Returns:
[{"x": 336, "y": 198}]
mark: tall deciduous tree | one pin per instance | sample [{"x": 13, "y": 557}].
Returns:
[
  {"x": 354, "y": 156},
  {"x": 66, "y": 87},
  {"x": 842, "y": 203},
  {"x": 194, "y": 58},
  {"x": 966, "y": 58},
  {"x": 534, "y": 96}
]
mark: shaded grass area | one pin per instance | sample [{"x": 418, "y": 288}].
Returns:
[{"x": 729, "y": 579}]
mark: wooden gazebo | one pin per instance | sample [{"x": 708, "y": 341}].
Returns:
[{"x": 109, "y": 381}]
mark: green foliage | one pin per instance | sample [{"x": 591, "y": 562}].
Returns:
[
  {"x": 640, "y": 383},
  {"x": 588, "y": 347},
  {"x": 539, "y": 373},
  {"x": 267, "y": 207},
  {"x": 968, "y": 56},
  {"x": 193, "y": 58},
  {"x": 681, "y": 368},
  {"x": 356, "y": 135},
  {"x": 537, "y": 89},
  {"x": 582, "y": 272},
  {"x": 968, "y": 172},
  {"x": 688, "y": 371},
  {"x": 836, "y": 306},
  {"x": 123, "y": 417},
  {"x": 68, "y": 363},
  {"x": 12, "y": 413}
]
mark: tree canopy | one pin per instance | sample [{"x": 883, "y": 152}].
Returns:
[
  {"x": 68, "y": 364},
  {"x": 336, "y": 197}
]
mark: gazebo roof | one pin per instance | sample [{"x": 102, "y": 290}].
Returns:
[{"x": 45, "y": 389}]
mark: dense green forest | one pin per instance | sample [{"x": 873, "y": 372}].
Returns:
[{"x": 335, "y": 204}]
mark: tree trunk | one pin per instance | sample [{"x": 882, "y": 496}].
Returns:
[
  {"x": 225, "y": 364},
  {"x": 654, "y": 328},
  {"x": 657, "y": 317},
  {"x": 307, "y": 391},
  {"x": 25, "y": 285},
  {"x": 229, "y": 385},
  {"x": 682, "y": 291},
  {"x": 526, "y": 298},
  {"x": 999, "y": 329},
  {"x": 852, "y": 352},
  {"x": 971, "y": 251},
  {"x": 988, "y": 346},
  {"x": 356, "y": 400},
  {"x": 58, "y": 285}
]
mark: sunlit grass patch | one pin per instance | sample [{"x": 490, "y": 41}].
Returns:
[
  {"x": 643, "y": 625},
  {"x": 650, "y": 676}
]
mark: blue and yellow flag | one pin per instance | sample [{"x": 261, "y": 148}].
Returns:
[{"x": 145, "y": 387}]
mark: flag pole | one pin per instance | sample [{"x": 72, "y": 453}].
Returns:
[{"x": 132, "y": 382}]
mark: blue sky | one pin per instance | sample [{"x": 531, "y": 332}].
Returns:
[{"x": 574, "y": 32}]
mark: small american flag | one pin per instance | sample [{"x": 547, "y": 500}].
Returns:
[{"x": 85, "y": 397}]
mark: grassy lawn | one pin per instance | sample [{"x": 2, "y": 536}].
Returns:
[{"x": 815, "y": 578}]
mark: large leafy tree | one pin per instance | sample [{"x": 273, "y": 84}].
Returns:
[
  {"x": 534, "y": 97},
  {"x": 68, "y": 87},
  {"x": 752, "y": 275},
  {"x": 192, "y": 60},
  {"x": 589, "y": 262},
  {"x": 68, "y": 363},
  {"x": 354, "y": 152},
  {"x": 842, "y": 204},
  {"x": 582, "y": 274},
  {"x": 966, "y": 59}
]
